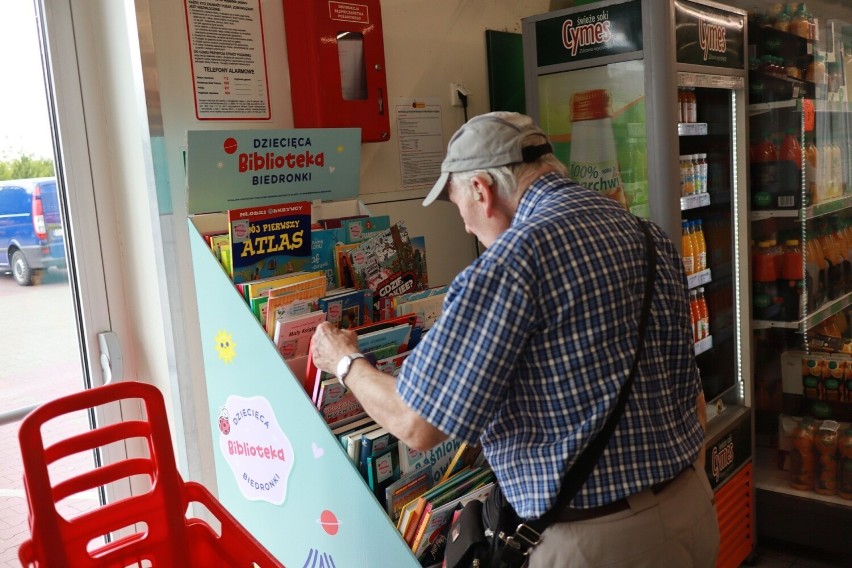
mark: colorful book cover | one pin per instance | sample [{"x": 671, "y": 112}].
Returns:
[
  {"x": 386, "y": 264},
  {"x": 351, "y": 440},
  {"x": 363, "y": 228},
  {"x": 372, "y": 443},
  {"x": 439, "y": 512},
  {"x": 341, "y": 264},
  {"x": 282, "y": 298},
  {"x": 392, "y": 364},
  {"x": 418, "y": 243},
  {"x": 337, "y": 404},
  {"x": 382, "y": 470},
  {"x": 405, "y": 489},
  {"x": 269, "y": 240},
  {"x": 292, "y": 336},
  {"x": 438, "y": 457},
  {"x": 323, "y": 242},
  {"x": 427, "y": 310},
  {"x": 262, "y": 287},
  {"x": 349, "y": 309}
]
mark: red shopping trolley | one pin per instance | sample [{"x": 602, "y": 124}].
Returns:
[{"x": 162, "y": 535}]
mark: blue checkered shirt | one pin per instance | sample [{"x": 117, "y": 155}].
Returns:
[{"x": 537, "y": 336}]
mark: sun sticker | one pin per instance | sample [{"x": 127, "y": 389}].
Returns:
[{"x": 226, "y": 347}]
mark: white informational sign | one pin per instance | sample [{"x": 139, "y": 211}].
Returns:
[
  {"x": 421, "y": 141},
  {"x": 253, "y": 444},
  {"x": 226, "y": 49}
]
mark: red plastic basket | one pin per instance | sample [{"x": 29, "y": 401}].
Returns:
[{"x": 162, "y": 534}]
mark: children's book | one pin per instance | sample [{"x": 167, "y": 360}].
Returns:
[
  {"x": 323, "y": 242},
  {"x": 363, "y": 228},
  {"x": 260, "y": 288},
  {"x": 382, "y": 470},
  {"x": 438, "y": 518},
  {"x": 348, "y": 308},
  {"x": 385, "y": 264},
  {"x": 391, "y": 365},
  {"x": 427, "y": 309},
  {"x": 407, "y": 488},
  {"x": 351, "y": 440},
  {"x": 372, "y": 443},
  {"x": 440, "y": 493},
  {"x": 293, "y": 335},
  {"x": 438, "y": 457},
  {"x": 282, "y": 297},
  {"x": 314, "y": 375},
  {"x": 337, "y": 404},
  {"x": 341, "y": 264},
  {"x": 269, "y": 240}
]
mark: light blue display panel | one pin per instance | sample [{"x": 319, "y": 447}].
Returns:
[{"x": 278, "y": 468}]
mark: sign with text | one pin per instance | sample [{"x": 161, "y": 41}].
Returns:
[
  {"x": 231, "y": 169},
  {"x": 578, "y": 36},
  {"x": 706, "y": 35},
  {"x": 228, "y": 59}
]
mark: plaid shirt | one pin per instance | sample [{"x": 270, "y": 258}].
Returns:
[{"x": 537, "y": 336}]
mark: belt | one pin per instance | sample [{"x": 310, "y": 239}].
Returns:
[{"x": 570, "y": 514}]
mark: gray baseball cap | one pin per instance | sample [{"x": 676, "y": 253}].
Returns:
[{"x": 488, "y": 141}]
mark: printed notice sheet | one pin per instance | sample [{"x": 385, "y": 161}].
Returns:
[
  {"x": 226, "y": 48},
  {"x": 421, "y": 141}
]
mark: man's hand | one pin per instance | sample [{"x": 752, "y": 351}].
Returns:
[{"x": 330, "y": 344}]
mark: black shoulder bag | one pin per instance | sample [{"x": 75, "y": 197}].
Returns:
[{"x": 471, "y": 544}]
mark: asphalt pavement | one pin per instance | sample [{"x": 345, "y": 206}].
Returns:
[{"x": 39, "y": 360}]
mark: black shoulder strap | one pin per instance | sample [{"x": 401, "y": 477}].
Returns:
[{"x": 528, "y": 533}]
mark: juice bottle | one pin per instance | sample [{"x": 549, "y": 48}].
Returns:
[
  {"x": 690, "y": 108},
  {"x": 791, "y": 149},
  {"x": 688, "y": 253},
  {"x": 802, "y": 466},
  {"x": 792, "y": 285},
  {"x": 701, "y": 248},
  {"x": 834, "y": 261},
  {"x": 825, "y": 444},
  {"x": 844, "y": 465},
  {"x": 702, "y": 172},
  {"x": 765, "y": 281},
  {"x": 694, "y": 314},
  {"x": 681, "y": 105},
  {"x": 800, "y": 23},
  {"x": 811, "y": 171},
  {"x": 764, "y": 172},
  {"x": 703, "y": 314},
  {"x": 816, "y": 273}
]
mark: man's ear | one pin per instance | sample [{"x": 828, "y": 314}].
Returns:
[{"x": 482, "y": 192}]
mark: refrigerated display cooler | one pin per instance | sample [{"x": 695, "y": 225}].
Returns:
[{"x": 654, "y": 93}]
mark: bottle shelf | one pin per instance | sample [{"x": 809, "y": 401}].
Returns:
[
  {"x": 769, "y": 478},
  {"x": 694, "y": 201},
  {"x": 810, "y": 212},
  {"x": 818, "y": 316},
  {"x": 692, "y": 129},
  {"x": 703, "y": 345},
  {"x": 699, "y": 278}
]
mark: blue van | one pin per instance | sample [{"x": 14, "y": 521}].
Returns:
[{"x": 32, "y": 237}]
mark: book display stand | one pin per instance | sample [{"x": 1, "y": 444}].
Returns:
[{"x": 279, "y": 470}]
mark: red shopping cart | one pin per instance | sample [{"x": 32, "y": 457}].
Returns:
[{"x": 162, "y": 533}]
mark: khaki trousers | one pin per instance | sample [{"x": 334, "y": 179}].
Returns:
[{"x": 676, "y": 528}]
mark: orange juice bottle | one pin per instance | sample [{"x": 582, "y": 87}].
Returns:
[
  {"x": 693, "y": 314},
  {"x": 844, "y": 467},
  {"x": 816, "y": 270},
  {"x": 834, "y": 260},
  {"x": 703, "y": 314},
  {"x": 688, "y": 253},
  {"x": 825, "y": 446},
  {"x": 701, "y": 255},
  {"x": 802, "y": 458}
]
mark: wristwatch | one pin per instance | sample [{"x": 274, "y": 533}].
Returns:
[{"x": 345, "y": 364}]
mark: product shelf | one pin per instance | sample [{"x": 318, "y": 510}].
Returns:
[
  {"x": 818, "y": 316},
  {"x": 769, "y": 477},
  {"x": 694, "y": 201}
]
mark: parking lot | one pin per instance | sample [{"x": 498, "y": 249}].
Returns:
[{"x": 39, "y": 360}]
